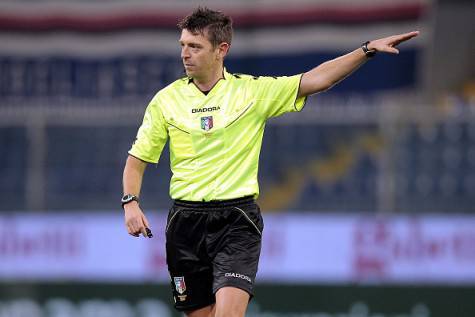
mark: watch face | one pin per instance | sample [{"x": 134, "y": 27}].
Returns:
[{"x": 127, "y": 198}]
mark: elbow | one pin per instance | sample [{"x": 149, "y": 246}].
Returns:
[
  {"x": 328, "y": 84},
  {"x": 326, "y": 87},
  {"x": 323, "y": 86}
]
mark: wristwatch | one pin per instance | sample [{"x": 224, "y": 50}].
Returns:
[
  {"x": 367, "y": 51},
  {"x": 127, "y": 198}
]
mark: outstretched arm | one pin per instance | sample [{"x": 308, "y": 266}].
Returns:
[{"x": 327, "y": 74}]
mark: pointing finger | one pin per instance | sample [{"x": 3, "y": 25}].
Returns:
[{"x": 406, "y": 36}]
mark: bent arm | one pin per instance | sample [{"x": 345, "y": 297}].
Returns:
[{"x": 327, "y": 74}]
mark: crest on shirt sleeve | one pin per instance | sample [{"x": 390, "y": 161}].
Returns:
[
  {"x": 180, "y": 284},
  {"x": 206, "y": 123}
]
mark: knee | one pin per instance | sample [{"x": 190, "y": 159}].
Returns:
[{"x": 229, "y": 313}]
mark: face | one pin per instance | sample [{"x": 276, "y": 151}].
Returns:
[{"x": 199, "y": 57}]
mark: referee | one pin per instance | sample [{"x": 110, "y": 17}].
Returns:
[{"x": 215, "y": 122}]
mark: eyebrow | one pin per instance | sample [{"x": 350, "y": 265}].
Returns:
[{"x": 191, "y": 43}]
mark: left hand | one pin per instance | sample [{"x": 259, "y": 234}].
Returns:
[{"x": 389, "y": 43}]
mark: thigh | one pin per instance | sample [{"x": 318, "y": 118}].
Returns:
[
  {"x": 236, "y": 256},
  {"x": 190, "y": 269}
]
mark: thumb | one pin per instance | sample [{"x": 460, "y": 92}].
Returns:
[{"x": 392, "y": 50}]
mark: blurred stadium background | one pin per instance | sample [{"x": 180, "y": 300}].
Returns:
[{"x": 368, "y": 195}]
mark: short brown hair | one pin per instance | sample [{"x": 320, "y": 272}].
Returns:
[{"x": 215, "y": 25}]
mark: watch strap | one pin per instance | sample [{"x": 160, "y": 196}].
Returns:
[
  {"x": 127, "y": 198},
  {"x": 367, "y": 51}
]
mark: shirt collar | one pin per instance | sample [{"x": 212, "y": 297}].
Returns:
[{"x": 226, "y": 75}]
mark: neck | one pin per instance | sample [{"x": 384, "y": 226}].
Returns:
[{"x": 206, "y": 83}]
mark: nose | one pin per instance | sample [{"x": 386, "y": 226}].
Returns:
[{"x": 185, "y": 53}]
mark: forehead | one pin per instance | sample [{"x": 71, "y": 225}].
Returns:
[{"x": 188, "y": 37}]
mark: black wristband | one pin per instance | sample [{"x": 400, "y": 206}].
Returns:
[{"x": 367, "y": 51}]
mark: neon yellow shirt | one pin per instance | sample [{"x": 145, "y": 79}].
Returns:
[{"x": 215, "y": 139}]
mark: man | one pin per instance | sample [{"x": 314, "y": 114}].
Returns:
[{"x": 215, "y": 122}]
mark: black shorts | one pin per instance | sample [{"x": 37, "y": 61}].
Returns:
[{"x": 211, "y": 245}]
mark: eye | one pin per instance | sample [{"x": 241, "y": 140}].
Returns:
[{"x": 195, "y": 46}]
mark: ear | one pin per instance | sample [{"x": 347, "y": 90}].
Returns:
[{"x": 222, "y": 50}]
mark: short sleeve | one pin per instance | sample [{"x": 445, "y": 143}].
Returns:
[
  {"x": 278, "y": 95},
  {"x": 151, "y": 136}
]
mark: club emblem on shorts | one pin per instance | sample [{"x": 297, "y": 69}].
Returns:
[
  {"x": 206, "y": 123},
  {"x": 180, "y": 285}
]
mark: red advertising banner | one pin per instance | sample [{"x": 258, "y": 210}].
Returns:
[{"x": 297, "y": 248}]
